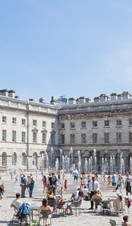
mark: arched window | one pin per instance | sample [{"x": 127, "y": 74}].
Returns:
[
  {"x": 14, "y": 159},
  {"x": 24, "y": 159},
  {"x": 35, "y": 162},
  {"x": 4, "y": 159}
]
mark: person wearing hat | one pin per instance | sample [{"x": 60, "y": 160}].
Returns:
[{"x": 118, "y": 203}]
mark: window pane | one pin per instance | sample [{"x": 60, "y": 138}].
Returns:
[
  {"x": 94, "y": 123},
  {"x": 4, "y": 135},
  {"x": 83, "y": 138},
  {"x": 23, "y": 121},
  {"x": 23, "y": 137},
  {"x": 14, "y": 136},
  {"x": 94, "y": 138},
  {"x": 14, "y": 120},
  {"x": 43, "y": 138},
  {"x": 106, "y": 138},
  {"x": 83, "y": 125},
  {"x": 106, "y": 123}
]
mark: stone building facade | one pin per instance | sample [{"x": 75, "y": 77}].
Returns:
[
  {"x": 28, "y": 130},
  {"x": 100, "y": 130},
  {"x": 95, "y": 136}
]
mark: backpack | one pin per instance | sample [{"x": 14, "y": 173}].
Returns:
[
  {"x": 54, "y": 180},
  {"x": 23, "y": 180},
  {"x": 32, "y": 181},
  {"x": 128, "y": 187},
  {"x": 25, "y": 209}
]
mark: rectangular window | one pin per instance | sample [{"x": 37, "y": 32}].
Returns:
[
  {"x": 83, "y": 125},
  {"x": 62, "y": 125},
  {"x": 106, "y": 138},
  {"x": 52, "y": 138},
  {"x": 44, "y": 124},
  {"x": 34, "y": 122},
  {"x": 13, "y": 120},
  {"x": 72, "y": 125},
  {"x": 23, "y": 137},
  {"x": 118, "y": 137},
  {"x": 118, "y": 122},
  {"x": 130, "y": 121},
  {"x": 34, "y": 137},
  {"x": 130, "y": 137},
  {"x": 52, "y": 125},
  {"x": 83, "y": 138},
  {"x": 62, "y": 139},
  {"x": 4, "y": 119},
  {"x": 13, "y": 136},
  {"x": 94, "y": 123},
  {"x": 95, "y": 138},
  {"x": 43, "y": 138},
  {"x": 23, "y": 121},
  {"x": 106, "y": 123},
  {"x": 72, "y": 138},
  {"x": 4, "y": 135}
]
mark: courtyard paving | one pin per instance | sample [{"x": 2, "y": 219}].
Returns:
[{"x": 85, "y": 218}]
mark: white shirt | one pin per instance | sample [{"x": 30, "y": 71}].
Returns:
[
  {"x": 94, "y": 185},
  {"x": 17, "y": 203}
]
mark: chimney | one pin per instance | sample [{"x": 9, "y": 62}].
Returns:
[
  {"x": 125, "y": 95},
  {"x": 71, "y": 101},
  {"x": 4, "y": 92},
  {"x": 11, "y": 93},
  {"x": 52, "y": 100},
  {"x": 119, "y": 97},
  {"x": 113, "y": 96},
  {"x": 96, "y": 99},
  {"x": 87, "y": 99},
  {"x": 41, "y": 100},
  {"x": 103, "y": 97},
  {"x": 81, "y": 100}
]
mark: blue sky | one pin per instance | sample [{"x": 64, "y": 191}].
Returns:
[{"x": 65, "y": 47}]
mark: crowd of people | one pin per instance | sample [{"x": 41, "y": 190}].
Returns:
[{"x": 87, "y": 188}]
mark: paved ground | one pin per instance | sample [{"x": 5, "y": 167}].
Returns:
[{"x": 87, "y": 218}]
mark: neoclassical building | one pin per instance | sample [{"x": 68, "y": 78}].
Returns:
[{"x": 90, "y": 135}]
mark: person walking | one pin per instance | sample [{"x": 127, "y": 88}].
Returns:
[
  {"x": 114, "y": 181},
  {"x": 30, "y": 185}
]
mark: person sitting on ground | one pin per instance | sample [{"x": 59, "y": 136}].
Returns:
[
  {"x": 126, "y": 223},
  {"x": 16, "y": 203},
  {"x": 43, "y": 208}
]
